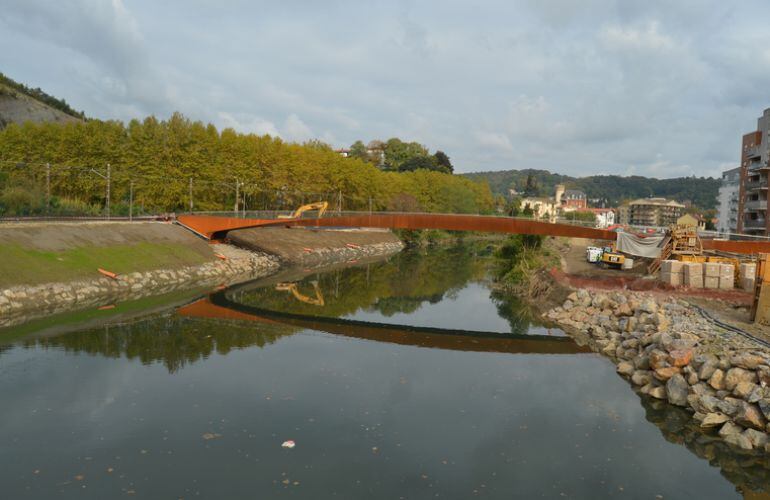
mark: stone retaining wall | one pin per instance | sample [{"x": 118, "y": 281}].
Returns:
[
  {"x": 669, "y": 351},
  {"x": 22, "y": 303}
]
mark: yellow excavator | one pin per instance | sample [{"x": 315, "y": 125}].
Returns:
[
  {"x": 612, "y": 258},
  {"x": 292, "y": 287},
  {"x": 321, "y": 206}
]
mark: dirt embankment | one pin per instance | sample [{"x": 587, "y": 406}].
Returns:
[
  {"x": 305, "y": 246},
  {"x": 36, "y": 253}
]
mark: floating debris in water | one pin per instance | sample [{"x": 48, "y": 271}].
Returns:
[
  {"x": 289, "y": 444},
  {"x": 211, "y": 435}
]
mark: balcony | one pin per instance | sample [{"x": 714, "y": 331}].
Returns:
[
  {"x": 754, "y": 224},
  {"x": 753, "y": 185},
  {"x": 752, "y": 152},
  {"x": 755, "y": 205}
]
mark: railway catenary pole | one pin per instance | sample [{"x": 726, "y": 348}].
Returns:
[
  {"x": 131, "y": 201},
  {"x": 237, "y": 194},
  {"x": 47, "y": 188},
  {"x": 109, "y": 171},
  {"x": 191, "y": 195}
]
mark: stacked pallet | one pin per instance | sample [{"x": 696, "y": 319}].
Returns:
[
  {"x": 710, "y": 275},
  {"x": 671, "y": 272},
  {"x": 726, "y": 276},
  {"x": 692, "y": 274},
  {"x": 748, "y": 272}
]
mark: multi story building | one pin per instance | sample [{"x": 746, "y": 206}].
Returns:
[
  {"x": 727, "y": 215},
  {"x": 573, "y": 198},
  {"x": 752, "y": 193},
  {"x": 654, "y": 212}
]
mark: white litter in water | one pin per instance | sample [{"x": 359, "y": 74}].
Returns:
[{"x": 289, "y": 444}]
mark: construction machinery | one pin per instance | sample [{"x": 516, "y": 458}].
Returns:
[
  {"x": 321, "y": 206},
  {"x": 680, "y": 240},
  {"x": 318, "y": 300},
  {"x": 612, "y": 258}
]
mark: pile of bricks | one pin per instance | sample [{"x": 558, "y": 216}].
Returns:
[{"x": 712, "y": 275}]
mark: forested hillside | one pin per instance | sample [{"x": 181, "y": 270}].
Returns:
[
  {"x": 14, "y": 87},
  {"x": 164, "y": 160},
  {"x": 700, "y": 191}
]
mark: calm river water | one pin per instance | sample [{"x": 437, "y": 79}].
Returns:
[{"x": 398, "y": 379}]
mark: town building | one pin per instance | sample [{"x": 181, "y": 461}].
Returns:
[
  {"x": 569, "y": 198},
  {"x": 605, "y": 217},
  {"x": 727, "y": 214},
  {"x": 654, "y": 212},
  {"x": 752, "y": 193},
  {"x": 574, "y": 199},
  {"x": 542, "y": 208}
]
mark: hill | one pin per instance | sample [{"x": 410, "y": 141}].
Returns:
[
  {"x": 613, "y": 189},
  {"x": 19, "y": 104}
]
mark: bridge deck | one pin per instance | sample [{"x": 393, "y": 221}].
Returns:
[{"x": 215, "y": 227}]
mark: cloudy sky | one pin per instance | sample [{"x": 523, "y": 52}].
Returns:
[{"x": 660, "y": 87}]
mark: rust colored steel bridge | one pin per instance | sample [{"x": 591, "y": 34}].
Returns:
[{"x": 216, "y": 227}]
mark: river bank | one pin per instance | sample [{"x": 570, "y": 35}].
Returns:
[
  {"x": 670, "y": 347},
  {"x": 49, "y": 268}
]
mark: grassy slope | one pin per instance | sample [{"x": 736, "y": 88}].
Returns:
[{"x": 21, "y": 265}]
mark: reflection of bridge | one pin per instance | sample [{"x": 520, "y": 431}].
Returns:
[
  {"x": 214, "y": 227},
  {"x": 218, "y": 306}
]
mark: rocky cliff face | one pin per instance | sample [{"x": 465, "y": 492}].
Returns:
[{"x": 16, "y": 107}]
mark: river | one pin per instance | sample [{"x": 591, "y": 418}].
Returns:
[{"x": 406, "y": 378}]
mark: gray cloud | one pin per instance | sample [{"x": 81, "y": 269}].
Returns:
[{"x": 608, "y": 86}]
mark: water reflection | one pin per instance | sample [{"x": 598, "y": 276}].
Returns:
[
  {"x": 407, "y": 284},
  {"x": 372, "y": 419},
  {"x": 748, "y": 470}
]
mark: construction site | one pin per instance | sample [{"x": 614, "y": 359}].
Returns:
[{"x": 677, "y": 262}]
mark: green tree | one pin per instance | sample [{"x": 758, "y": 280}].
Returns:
[
  {"x": 358, "y": 150},
  {"x": 443, "y": 163},
  {"x": 417, "y": 163}
]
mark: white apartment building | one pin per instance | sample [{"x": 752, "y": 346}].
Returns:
[{"x": 727, "y": 199}]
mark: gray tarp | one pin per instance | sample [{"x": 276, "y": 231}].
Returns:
[{"x": 632, "y": 244}]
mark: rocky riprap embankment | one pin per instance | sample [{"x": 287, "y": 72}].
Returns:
[{"x": 671, "y": 352}]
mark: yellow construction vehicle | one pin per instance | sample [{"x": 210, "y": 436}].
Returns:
[
  {"x": 612, "y": 258},
  {"x": 321, "y": 206},
  {"x": 292, "y": 287}
]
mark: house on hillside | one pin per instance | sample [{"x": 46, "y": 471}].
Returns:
[{"x": 376, "y": 150}]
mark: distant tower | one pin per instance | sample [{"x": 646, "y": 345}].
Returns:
[{"x": 559, "y": 193}]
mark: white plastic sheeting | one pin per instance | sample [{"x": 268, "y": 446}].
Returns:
[{"x": 648, "y": 246}]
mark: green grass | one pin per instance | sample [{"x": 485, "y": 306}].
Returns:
[{"x": 23, "y": 266}]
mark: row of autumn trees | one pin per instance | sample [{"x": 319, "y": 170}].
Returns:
[{"x": 160, "y": 161}]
